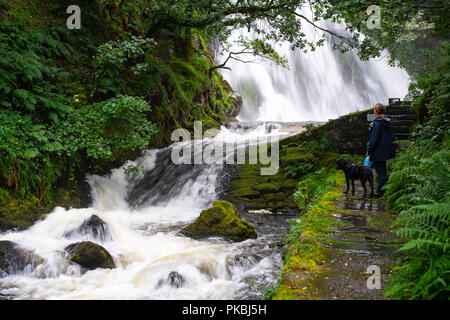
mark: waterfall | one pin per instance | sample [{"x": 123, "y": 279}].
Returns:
[{"x": 318, "y": 86}]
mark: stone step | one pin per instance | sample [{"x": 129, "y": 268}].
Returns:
[
  {"x": 405, "y": 123},
  {"x": 399, "y": 112},
  {"x": 402, "y": 116},
  {"x": 401, "y": 129},
  {"x": 401, "y": 136},
  {"x": 399, "y": 107}
]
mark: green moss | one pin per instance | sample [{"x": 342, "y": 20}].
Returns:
[
  {"x": 243, "y": 193},
  {"x": 220, "y": 220},
  {"x": 259, "y": 203},
  {"x": 269, "y": 187},
  {"x": 342, "y": 135},
  {"x": 274, "y": 197},
  {"x": 90, "y": 255},
  {"x": 305, "y": 246},
  {"x": 19, "y": 213},
  {"x": 289, "y": 184},
  {"x": 294, "y": 155}
]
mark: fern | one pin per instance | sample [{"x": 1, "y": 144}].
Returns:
[{"x": 419, "y": 188}]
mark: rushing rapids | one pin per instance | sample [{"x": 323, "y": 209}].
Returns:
[{"x": 142, "y": 217}]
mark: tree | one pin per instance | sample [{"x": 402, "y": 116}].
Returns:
[{"x": 275, "y": 21}]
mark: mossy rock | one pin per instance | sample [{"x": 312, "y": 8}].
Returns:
[
  {"x": 17, "y": 213},
  {"x": 269, "y": 187},
  {"x": 243, "y": 193},
  {"x": 275, "y": 197},
  {"x": 290, "y": 184},
  {"x": 243, "y": 183},
  {"x": 327, "y": 159},
  {"x": 20, "y": 213},
  {"x": 90, "y": 255},
  {"x": 220, "y": 220},
  {"x": 294, "y": 155},
  {"x": 259, "y": 203}
]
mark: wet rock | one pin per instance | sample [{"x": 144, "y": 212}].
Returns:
[
  {"x": 14, "y": 259},
  {"x": 93, "y": 228},
  {"x": 220, "y": 220},
  {"x": 90, "y": 255},
  {"x": 243, "y": 261},
  {"x": 174, "y": 279},
  {"x": 235, "y": 105}
]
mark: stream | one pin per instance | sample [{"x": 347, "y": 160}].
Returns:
[{"x": 144, "y": 215}]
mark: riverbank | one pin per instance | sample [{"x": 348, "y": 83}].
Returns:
[{"x": 334, "y": 244}]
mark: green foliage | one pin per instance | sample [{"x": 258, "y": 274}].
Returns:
[
  {"x": 268, "y": 292},
  {"x": 32, "y": 155},
  {"x": 133, "y": 171},
  {"x": 106, "y": 129},
  {"x": 301, "y": 168},
  {"x": 430, "y": 92},
  {"x": 313, "y": 186},
  {"x": 115, "y": 61},
  {"x": 419, "y": 187},
  {"x": 25, "y": 149},
  {"x": 28, "y": 74},
  {"x": 402, "y": 24}
]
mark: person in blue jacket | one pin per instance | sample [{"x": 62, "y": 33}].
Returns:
[{"x": 380, "y": 147}]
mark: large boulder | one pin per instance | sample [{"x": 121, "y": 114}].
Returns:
[
  {"x": 14, "y": 259},
  {"x": 93, "y": 228},
  {"x": 90, "y": 255},
  {"x": 220, "y": 220}
]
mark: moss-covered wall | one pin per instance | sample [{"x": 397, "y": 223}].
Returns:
[{"x": 345, "y": 135}]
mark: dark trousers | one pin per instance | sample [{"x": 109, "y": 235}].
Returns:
[{"x": 380, "y": 168}]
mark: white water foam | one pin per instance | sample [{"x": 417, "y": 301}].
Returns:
[{"x": 144, "y": 245}]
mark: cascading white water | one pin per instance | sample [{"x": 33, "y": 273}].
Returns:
[
  {"x": 318, "y": 86},
  {"x": 144, "y": 242}
]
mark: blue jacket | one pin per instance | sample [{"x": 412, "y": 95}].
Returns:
[{"x": 380, "y": 146}]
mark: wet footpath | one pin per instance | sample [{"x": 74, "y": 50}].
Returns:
[{"x": 358, "y": 254}]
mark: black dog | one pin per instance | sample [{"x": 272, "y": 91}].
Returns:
[{"x": 354, "y": 172}]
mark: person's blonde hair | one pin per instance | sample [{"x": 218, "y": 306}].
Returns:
[{"x": 380, "y": 109}]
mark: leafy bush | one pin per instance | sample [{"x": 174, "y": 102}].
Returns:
[
  {"x": 114, "y": 61},
  {"x": 314, "y": 185},
  {"x": 105, "y": 129},
  {"x": 301, "y": 168},
  {"x": 32, "y": 155},
  {"x": 25, "y": 154}
]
